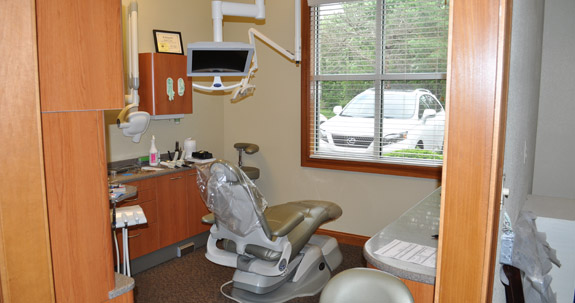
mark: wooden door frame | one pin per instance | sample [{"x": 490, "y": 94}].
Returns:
[
  {"x": 25, "y": 259},
  {"x": 480, "y": 34}
]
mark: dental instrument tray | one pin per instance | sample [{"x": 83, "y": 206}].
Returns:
[{"x": 202, "y": 154}]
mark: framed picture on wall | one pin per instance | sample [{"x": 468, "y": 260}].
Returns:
[{"x": 168, "y": 42}]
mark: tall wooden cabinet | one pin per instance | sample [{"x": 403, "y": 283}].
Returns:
[
  {"x": 80, "y": 54},
  {"x": 80, "y": 74},
  {"x": 76, "y": 182}
]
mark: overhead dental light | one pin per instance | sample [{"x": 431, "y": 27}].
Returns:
[
  {"x": 219, "y": 59},
  {"x": 132, "y": 122}
]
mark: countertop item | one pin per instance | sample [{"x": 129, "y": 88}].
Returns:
[
  {"x": 130, "y": 192},
  {"x": 418, "y": 225}
]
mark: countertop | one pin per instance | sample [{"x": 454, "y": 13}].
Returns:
[
  {"x": 417, "y": 225},
  {"x": 137, "y": 173}
]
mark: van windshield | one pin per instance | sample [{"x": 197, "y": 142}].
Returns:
[{"x": 395, "y": 106}]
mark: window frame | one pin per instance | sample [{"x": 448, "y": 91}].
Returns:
[{"x": 307, "y": 135}]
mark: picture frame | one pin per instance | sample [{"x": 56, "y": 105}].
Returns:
[{"x": 168, "y": 42}]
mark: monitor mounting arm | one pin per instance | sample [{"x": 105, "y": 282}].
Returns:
[{"x": 257, "y": 11}]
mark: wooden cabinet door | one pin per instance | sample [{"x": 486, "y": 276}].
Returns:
[
  {"x": 78, "y": 206},
  {"x": 155, "y": 69},
  {"x": 172, "y": 208},
  {"x": 80, "y": 54},
  {"x": 196, "y": 207}
]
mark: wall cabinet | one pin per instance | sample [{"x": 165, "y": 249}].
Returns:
[
  {"x": 165, "y": 88},
  {"x": 80, "y": 55}
]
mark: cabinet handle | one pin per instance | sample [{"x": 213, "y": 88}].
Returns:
[
  {"x": 136, "y": 235},
  {"x": 175, "y": 178},
  {"x": 131, "y": 200}
]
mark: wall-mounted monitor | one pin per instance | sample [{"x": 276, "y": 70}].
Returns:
[{"x": 209, "y": 59}]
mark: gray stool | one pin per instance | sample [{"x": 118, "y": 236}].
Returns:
[
  {"x": 365, "y": 285},
  {"x": 249, "y": 148}
]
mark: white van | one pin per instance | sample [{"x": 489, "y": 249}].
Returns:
[{"x": 411, "y": 120}]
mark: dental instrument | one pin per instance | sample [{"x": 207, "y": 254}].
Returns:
[{"x": 133, "y": 122}]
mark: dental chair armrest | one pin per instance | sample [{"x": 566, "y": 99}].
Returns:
[
  {"x": 281, "y": 227},
  {"x": 209, "y": 218}
]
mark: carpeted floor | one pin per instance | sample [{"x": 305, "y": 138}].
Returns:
[{"x": 192, "y": 278}]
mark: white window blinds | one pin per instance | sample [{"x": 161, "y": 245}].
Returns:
[{"x": 378, "y": 84}]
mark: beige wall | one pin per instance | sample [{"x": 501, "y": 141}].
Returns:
[
  {"x": 206, "y": 124},
  {"x": 271, "y": 119}
]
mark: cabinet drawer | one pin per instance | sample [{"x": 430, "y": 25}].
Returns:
[
  {"x": 144, "y": 184},
  {"x": 142, "y": 240},
  {"x": 142, "y": 196}
]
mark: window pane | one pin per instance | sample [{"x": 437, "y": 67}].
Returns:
[
  {"x": 360, "y": 110},
  {"x": 346, "y": 38},
  {"x": 415, "y": 36}
]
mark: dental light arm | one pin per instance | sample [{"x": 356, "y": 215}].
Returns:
[
  {"x": 133, "y": 122},
  {"x": 245, "y": 88},
  {"x": 257, "y": 11}
]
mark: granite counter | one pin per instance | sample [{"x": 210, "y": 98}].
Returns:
[{"x": 418, "y": 225}]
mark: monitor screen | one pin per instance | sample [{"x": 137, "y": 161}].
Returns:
[{"x": 219, "y": 59}]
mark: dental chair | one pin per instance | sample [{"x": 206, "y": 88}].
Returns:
[{"x": 274, "y": 250}]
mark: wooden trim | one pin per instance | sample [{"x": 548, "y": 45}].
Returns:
[
  {"x": 501, "y": 93},
  {"x": 421, "y": 292},
  {"x": 476, "y": 107},
  {"x": 306, "y": 132},
  {"x": 25, "y": 259},
  {"x": 125, "y": 298},
  {"x": 344, "y": 238},
  {"x": 372, "y": 167}
]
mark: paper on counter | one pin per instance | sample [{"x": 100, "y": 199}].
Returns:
[
  {"x": 152, "y": 168},
  {"x": 409, "y": 252}
]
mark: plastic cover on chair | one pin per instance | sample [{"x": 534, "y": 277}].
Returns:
[{"x": 231, "y": 196}]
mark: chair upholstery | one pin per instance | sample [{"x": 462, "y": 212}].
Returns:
[
  {"x": 313, "y": 214},
  {"x": 365, "y": 285}
]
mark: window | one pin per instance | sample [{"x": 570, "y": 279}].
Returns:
[{"x": 373, "y": 86}]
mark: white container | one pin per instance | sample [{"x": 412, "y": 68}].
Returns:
[
  {"x": 189, "y": 148},
  {"x": 154, "y": 154}
]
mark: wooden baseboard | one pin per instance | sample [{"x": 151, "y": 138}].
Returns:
[{"x": 344, "y": 238}]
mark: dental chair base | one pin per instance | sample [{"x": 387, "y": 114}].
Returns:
[{"x": 307, "y": 274}]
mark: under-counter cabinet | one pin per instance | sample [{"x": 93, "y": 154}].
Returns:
[
  {"x": 172, "y": 208},
  {"x": 145, "y": 238},
  {"x": 196, "y": 206}
]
